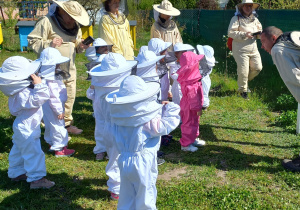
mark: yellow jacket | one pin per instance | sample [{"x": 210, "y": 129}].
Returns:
[
  {"x": 116, "y": 31},
  {"x": 45, "y": 30}
]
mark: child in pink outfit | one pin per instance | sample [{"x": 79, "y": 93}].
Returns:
[{"x": 191, "y": 103}]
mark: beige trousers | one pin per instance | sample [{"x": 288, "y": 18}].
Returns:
[
  {"x": 248, "y": 67},
  {"x": 71, "y": 92}
]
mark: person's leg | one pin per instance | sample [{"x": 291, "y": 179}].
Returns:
[
  {"x": 71, "y": 92},
  {"x": 242, "y": 62},
  {"x": 206, "y": 83},
  {"x": 127, "y": 192},
  {"x": 55, "y": 131},
  {"x": 165, "y": 85},
  {"x": 145, "y": 182},
  {"x": 16, "y": 163},
  {"x": 189, "y": 127},
  {"x": 255, "y": 66},
  {"x": 113, "y": 171}
]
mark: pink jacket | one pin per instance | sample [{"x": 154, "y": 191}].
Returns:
[{"x": 188, "y": 77}]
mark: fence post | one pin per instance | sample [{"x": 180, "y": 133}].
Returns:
[{"x": 298, "y": 120}]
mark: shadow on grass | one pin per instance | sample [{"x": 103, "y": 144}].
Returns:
[
  {"x": 64, "y": 195},
  {"x": 222, "y": 157}
]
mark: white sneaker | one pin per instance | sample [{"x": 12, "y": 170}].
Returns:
[
  {"x": 198, "y": 143},
  {"x": 189, "y": 148}
]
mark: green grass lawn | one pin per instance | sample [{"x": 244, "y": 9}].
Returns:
[{"x": 239, "y": 168}]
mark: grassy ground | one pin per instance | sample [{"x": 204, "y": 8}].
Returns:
[{"x": 239, "y": 168}]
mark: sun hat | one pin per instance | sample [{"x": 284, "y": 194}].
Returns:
[
  {"x": 295, "y": 36},
  {"x": 112, "y": 70},
  {"x": 50, "y": 57},
  {"x": 157, "y": 45},
  {"x": 133, "y": 89},
  {"x": 100, "y": 43},
  {"x": 255, "y": 5},
  {"x": 166, "y": 7},
  {"x": 14, "y": 74},
  {"x": 183, "y": 47},
  {"x": 18, "y": 68},
  {"x": 135, "y": 103},
  {"x": 75, "y": 10},
  {"x": 147, "y": 58},
  {"x": 208, "y": 51},
  {"x": 112, "y": 63}
]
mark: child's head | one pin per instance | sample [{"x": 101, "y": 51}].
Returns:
[
  {"x": 101, "y": 46},
  {"x": 180, "y": 48},
  {"x": 158, "y": 46},
  {"x": 135, "y": 103},
  {"x": 101, "y": 50},
  {"x": 112, "y": 70},
  {"x": 190, "y": 59},
  {"x": 146, "y": 68},
  {"x": 54, "y": 65},
  {"x": 15, "y": 74}
]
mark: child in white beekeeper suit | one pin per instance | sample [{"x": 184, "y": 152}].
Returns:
[
  {"x": 54, "y": 70},
  {"x": 179, "y": 49},
  {"x": 146, "y": 68},
  {"x": 95, "y": 54},
  {"x": 208, "y": 51},
  {"x": 139, "y": 122},
  {"x": 26, "y": 158},
  {"x": 159, "y": 47},
  {"x": 106, "y": 77}
]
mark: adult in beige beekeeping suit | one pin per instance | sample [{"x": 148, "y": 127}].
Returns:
[
  {"x": 164, "y": 27},
  {"x": 60, "y": 29},
  {"x": 244, "y": 47},
  {"x": 285, "y": 51},
  {"x": 114, "y": 28}
]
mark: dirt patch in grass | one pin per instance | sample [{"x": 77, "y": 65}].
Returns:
[
  {"x": 173, "y": 157},
  {"x": 172, "y": 174}
]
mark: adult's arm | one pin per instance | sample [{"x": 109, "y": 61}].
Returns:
[
  {"x": 38, "y": 39},
  {"x": 233, "y": 29}
]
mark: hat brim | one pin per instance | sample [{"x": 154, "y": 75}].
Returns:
[
  {"x": 167, "y": 45},
  {"x": 17, "y": 75},
  {"x": 255, "y": 5},
  {"x": 84, "y": 19},
  {"x": 149, "y": 63},
  {"x": 200, "y": 49},
  {"x": 103, "y": 45},
  {"x": 187, "y": 48},
  {"x": 295, "y": 36},
  {"x": 97, "y": 72},
  {"x": 152, "y": 89},
  {"x": 173, "y": 12},
  {"x": 60, "y": 60}
]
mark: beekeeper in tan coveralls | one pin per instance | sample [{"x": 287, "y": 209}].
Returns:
[
  {"x": 244, "y": 47},
  {"x": 164, "y": 27},
  {"x": 60, "y": 29}
]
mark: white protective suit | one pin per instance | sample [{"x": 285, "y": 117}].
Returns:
[
  {"x": 97, "y": 95},
  {"x": 55, "y": 134},
  {"x": 26, "y": 155},
  {"x": 107, "y": 77},
  {"x": 176, "y": 88},
  {"x": 210, "y": 61},
  {"x": 157, "y": 46},
  {"x": 138, "y": 127},
  {"x": 286, "y": 57}
]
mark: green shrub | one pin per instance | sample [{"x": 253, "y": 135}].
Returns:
[
  {"x": 287, "y": 119},
  {"x": 286, "y": 102}
]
